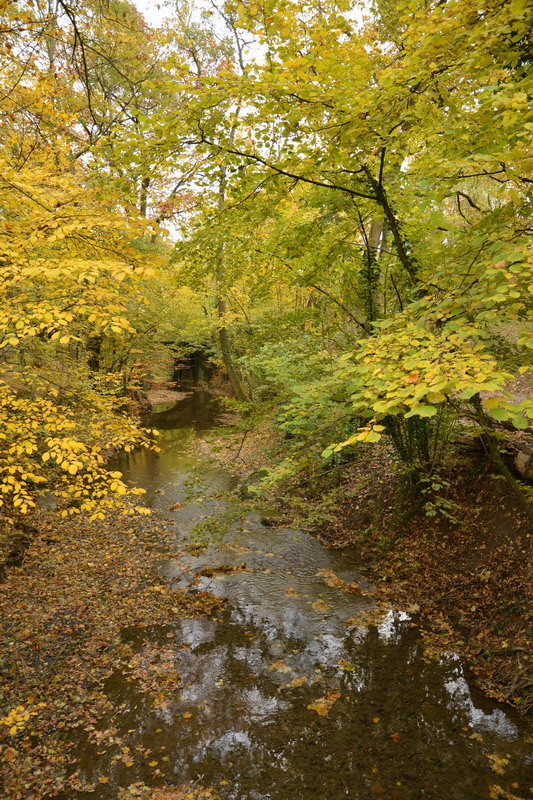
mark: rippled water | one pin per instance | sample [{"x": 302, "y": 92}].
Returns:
[{"x": 293, "y": 636}]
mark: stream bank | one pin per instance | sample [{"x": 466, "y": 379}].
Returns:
[
  {"x": 471, "y": 580},
  {"x": 199, "y": 645}
]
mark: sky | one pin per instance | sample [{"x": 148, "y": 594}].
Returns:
[{"x": 153, "y": 12}]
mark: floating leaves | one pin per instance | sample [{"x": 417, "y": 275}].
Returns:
[
  {"x": 338, "y": 583},
  {"x": 372, "y": 616},
  {"x": 498, "y": 764},
  {"x": 154, "y": 670},
  {"x": 279, "y": 666},
  {"x": 297, "y": 682},
  {"x": 330, "y": 578},
  {"x": 323, "y": 705},
  {"x": 345, "y": 665}
]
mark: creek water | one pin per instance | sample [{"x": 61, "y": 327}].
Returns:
[{"x": 383, "y": 722}]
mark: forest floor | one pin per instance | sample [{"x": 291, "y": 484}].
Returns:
[
  {"x": 81, "y": 584},
  {"x": 469, "y": 581},
  {"x": 63, "y": 614}
]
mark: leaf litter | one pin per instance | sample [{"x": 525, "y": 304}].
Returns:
[{"x": 64, "y": 618}]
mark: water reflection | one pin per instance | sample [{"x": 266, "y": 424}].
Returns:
[{"x": 396, "y": 731}]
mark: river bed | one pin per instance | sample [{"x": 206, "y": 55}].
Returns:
[{"x": 302, "y": 688}]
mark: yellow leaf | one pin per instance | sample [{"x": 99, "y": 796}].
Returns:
[
  {"x": 297, "y": 682},
  {"x": 279, "y": 666},
  {"x": 323, "y": 705}
]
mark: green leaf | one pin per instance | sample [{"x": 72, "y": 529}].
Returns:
[
  {"x": 422, "y": 411},
  {"x": 499, "y": 413},
  {"x": 467, "y": 394}
]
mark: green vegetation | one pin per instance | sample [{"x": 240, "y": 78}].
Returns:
[{"x": 349, "y": 194}]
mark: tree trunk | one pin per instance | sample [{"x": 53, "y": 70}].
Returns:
[
  {"x": 223, "y": 336},
  {"x": 94, "y": 349},
  {"x": 143, "y": 199}
]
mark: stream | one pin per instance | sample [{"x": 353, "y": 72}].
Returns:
[{"x": 301, "y": 688}]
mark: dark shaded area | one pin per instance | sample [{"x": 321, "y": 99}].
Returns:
[
  {"x": 198, "y": 410},
  {"x": 192, "y": 369}
]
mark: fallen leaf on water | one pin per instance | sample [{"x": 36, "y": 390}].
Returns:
[
  {"x": 187, "y": 715},
  {"x": 497, "y": 793},
  {"x": 291, "y": 593},
  {"x": 374, "y": 616},
  {"x": 497, "y": 763},
  {"x": 280, "y": 666},
  {"x": 375, "y": 719},
  {"x": 236, "y": 548},
  {"x": 353, "y": 587},
  {"x": 395, "y": 737},
  {"x": 319, "y": 605},
  {"x": 345, "y": 665},
  {"x": 294, "y": 684},
  {"x": 323, "y": 705},
  {"x": 330, "y": 578}
]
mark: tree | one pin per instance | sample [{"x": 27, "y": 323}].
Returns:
[
  {"x": 413, "y": 146},
  {"x": 69, "y": 267}
]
